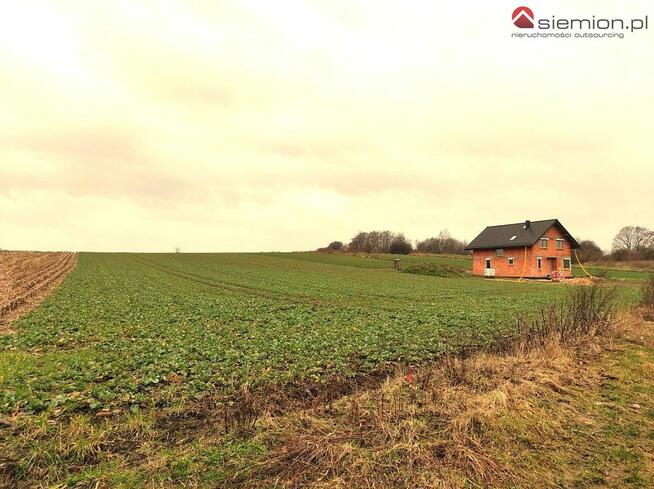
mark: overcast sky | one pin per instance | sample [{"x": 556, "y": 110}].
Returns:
[{"x": 275, "y": 125}]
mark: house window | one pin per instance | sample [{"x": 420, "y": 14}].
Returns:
[
  {"x": 567, "y": 263},
  {"x": 543, "y": 243},
  {"x": 488, "y": 263},
  {"x": 511, "y": 261},
  {"x": 500, "y": 252},
  {"x": 559, "y": 244},
  {"x": 539, "y": 262}
]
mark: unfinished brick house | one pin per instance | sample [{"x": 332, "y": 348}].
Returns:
[{"x": 529, "y": 249}]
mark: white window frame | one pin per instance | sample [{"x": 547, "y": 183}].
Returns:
[
  {"x": 547, "y": 243},
  {"x": 560, "y": 241},
  {"x": 511, "y": 261},
  {"x": 569, "y": 267},
  {"x": 539, "y": 262},
  {"x": 488, "y": 261},
  {"x": 499, "y": 252}
]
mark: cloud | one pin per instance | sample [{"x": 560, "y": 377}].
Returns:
[
  {"x": 142, "y": 126},
  {"x": 82, "y": 144},
  {"x": 105, "y": 162}
]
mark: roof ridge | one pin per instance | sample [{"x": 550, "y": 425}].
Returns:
[
  {"x": 521, "y": 222},
  {"x": 516, "y": 234}
]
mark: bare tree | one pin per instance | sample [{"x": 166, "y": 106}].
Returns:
[
  {"x": 378, "y": 242},
  {"x": 631, "y": 240},
  {"x": 443, "y": 243}
]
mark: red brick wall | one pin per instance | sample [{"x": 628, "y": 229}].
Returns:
[{"x": 503, "y": 269}]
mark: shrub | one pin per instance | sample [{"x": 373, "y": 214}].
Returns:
[
  {"x": 647, "y": 298},
  {"x": 335, "y": 246},
  {"x": 400, "y": 246},
  {"x": 585, "y": 312},
  {"x": 589, "y": 251},
  {"x": 436, "y": 270}
]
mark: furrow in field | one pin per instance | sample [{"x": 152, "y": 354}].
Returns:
[
  {"x": 30, "y": 278},
  {"x": 36, "y": 272},
  {"x": 365, "y": 295},
  {"x": 227, "y": 286},
  {"x": 295, "y": 295}
]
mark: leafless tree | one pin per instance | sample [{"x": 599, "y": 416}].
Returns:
[
  {"x": 377, "y": 241},
  {"x": 632, "y": 240},
  {"x": 443, "y": 243}
]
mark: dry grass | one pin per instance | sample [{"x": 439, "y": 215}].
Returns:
[
  {"x": 446, "y": 427},
  {"x": 647, "y": 293},
  {"x": 490, "y": 419}
]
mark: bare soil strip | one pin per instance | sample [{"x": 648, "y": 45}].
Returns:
[{"x": 26, "y": 278}]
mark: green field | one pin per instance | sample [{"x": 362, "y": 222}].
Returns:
[
  {"x": 612, "y": 273},
  {"x": 129, "y": 330}
]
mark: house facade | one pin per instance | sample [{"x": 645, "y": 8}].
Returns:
[{"x": 529, "y": 249}]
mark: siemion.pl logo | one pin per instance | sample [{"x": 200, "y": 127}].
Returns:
[
  {"x": 590, "y": 26},
  {"x": 523, "y": 17}
]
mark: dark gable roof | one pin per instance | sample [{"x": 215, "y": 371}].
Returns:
[{"x": 500, "y": 236}]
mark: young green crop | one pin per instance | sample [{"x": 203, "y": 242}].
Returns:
[{"x": 134, "y": 329}]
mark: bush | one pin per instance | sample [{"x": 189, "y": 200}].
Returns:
[
  {"x": 335, "y": 246},
  {"x": 435, "y": 270},
  {"x": 589, "y": 251},
  {"x": 400, "y": 246},
  {"x": 647, "y": 298},
  {"x": 586, "y": 312}
]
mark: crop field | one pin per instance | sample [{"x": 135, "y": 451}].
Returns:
[
  {"x": 25, "y": 277},
  {"x": 163, "y": 370},
  {"x": 128, "y": 330},
  {"x": 614, "y": 273}
]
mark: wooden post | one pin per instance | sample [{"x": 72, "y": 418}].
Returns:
[{"x": 397, "y": 264}]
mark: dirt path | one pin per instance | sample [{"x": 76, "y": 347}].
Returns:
[{"x": 26, "y": 278}]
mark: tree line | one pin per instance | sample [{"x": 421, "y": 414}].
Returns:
[
  {"x": 398, "y": 244},
  {"x": 630, "y": 243}
]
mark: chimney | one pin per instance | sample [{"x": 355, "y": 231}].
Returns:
[{"x": 527, "y": 224}]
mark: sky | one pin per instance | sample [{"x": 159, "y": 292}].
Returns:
[{"x": 261, "y": 126}]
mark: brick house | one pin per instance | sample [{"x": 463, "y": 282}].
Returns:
[{"x": 530, "y": 249}]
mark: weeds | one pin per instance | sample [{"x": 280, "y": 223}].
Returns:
[
  {"x": 584, "y": 313},
  {"x": 647, "y": 292},
  {"x": 464, "y": 421}
]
